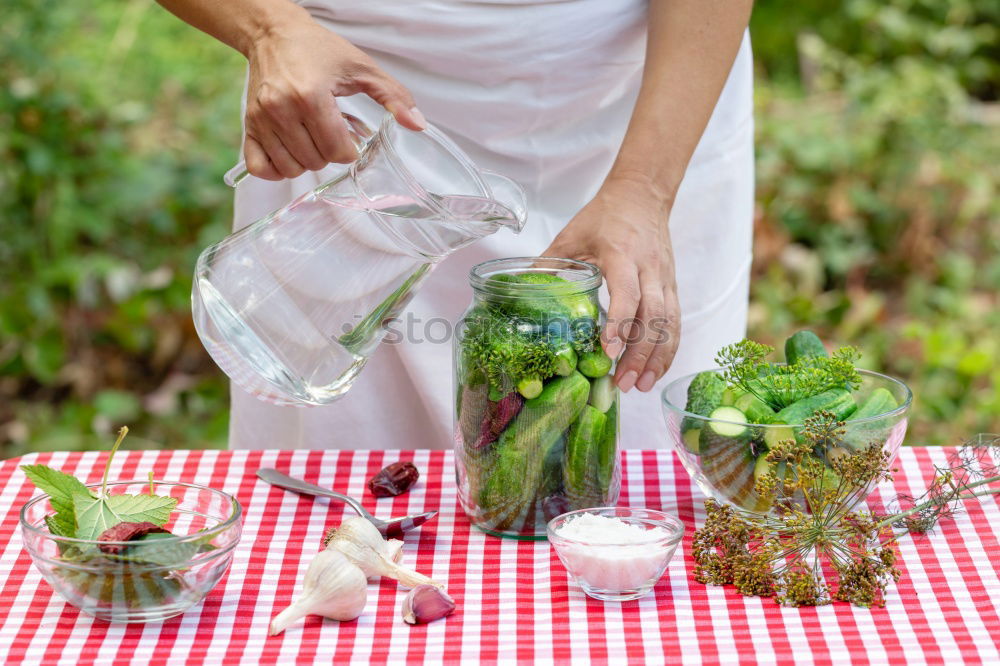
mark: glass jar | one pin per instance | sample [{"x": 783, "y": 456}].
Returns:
[{"x": 536, "y": 409}]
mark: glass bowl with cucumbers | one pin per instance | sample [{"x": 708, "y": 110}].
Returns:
[
  {"x": 536, "y": 411},
  {"x": 725, "y": 423}
]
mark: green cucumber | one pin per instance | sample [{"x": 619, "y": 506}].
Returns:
[
  {"x": 607, "y": 456},
  {"x": 728, "y": 422},
  {"x": 594, "y": 364},
  {"x": 705, "y": 393},
  {"x": 565, "y": 361},
  {"x": 730, "y": 396},
  {"x": 755, "y": 409},
  {"x": 777, "y": 433},
  {"x": 561, "y": 301},
  {"x": 860, "y": 435},
  {"x": 583, "y": 445},
  {"x": 524, "y": 445},
  {"x": 838, "y": 401},
  {"x": 761, "y": 467},
  {"x": 530, "y": 387},
  {"x": 881, "y": 401},
  {"x": 691, "y": 439},
  {"x": 803, "y": 344},
  {"x": 727, "y": 433},
  {"x": 602, "y": 393}
]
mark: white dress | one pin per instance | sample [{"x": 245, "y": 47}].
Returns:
[{"x": 540, "y": 91}]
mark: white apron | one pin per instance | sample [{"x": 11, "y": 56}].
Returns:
[{"x": 540, "y": 91}]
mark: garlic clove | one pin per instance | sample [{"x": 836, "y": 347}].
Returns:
[
  {"x": 361, "y": 531},
  {"x": 333, "y": 587},
  {"x": 394, "y": 553},
  {"x": 361, "y": 542},
  {"x": 375, "y": 564},
  {"x": 426, "y": 603}
]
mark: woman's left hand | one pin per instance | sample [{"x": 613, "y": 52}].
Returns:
[{"x": 623, "y": 230}]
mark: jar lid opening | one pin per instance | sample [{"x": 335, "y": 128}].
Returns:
[{"x": 580, "y": 276}]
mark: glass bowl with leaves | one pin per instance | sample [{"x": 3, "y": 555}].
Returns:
[
  {"x": 129, "y": 551},
  {"x": 724, "y": 422}
]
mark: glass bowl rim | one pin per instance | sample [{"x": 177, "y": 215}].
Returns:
[
  {"x": 234, "y": 517},
  {"x": 590, "y": 277},
  {"x": 669, "y": 522},
  {"x": 897, "y": 411}
]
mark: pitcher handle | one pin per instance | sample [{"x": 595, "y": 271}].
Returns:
[
  {"x": 508, "y": 194},
  {"x": 360, "y": 133}
]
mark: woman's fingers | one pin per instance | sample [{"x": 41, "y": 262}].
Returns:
[
  {"x": 640, "y": 340},
  {"x": 256, "y": 160},
  {"x": 623, "y": 288},
  {"x": 292, "y": 113},
  {"x": 392, "y": 95},
  {"x": 329, "y": 131},
  {"x": 282, "y": 160},
  {"x": 664, "y": 331}
]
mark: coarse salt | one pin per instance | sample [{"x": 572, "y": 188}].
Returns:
[
  {"x": 597, "y": 529},
  {"x": 617, "y": 555}
]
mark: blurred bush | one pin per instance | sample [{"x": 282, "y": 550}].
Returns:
[
  {"x": 877, "y": 222},
  {"x": 116, "y": 123}
]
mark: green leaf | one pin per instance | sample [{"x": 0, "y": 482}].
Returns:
[
  {"x": 59, "y": 486},
  {"x": 153, "y": 549},
  {"x": 95, "y": 515},
  {"x": 61, "y": 524}
]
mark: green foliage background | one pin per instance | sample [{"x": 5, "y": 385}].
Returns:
[{"x": 878, "y": 218}]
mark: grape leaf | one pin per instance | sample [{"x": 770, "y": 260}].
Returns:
[
  {"x": 59, "y": 486},
  {"x": 96, "y": 514}
]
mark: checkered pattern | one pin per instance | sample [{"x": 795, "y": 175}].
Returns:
[{"x": 515, "y": 602}]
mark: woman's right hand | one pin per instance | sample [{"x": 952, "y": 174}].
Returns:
[{"x": 292, "y": 120}]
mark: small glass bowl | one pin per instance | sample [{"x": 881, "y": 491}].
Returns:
[
  {"x": 153, "y": 580},
  {"x": 618, "y": 571}
]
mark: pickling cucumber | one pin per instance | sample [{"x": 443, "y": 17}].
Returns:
[
  {"x": 727, "y": 428},
  {"x": 607, "y": 454},
  {"x": 875, "y": 430},
  {"x": 730, "y": 396},
  {"x": 728, "y": 422},
  {"x": 583, "y": 444},
  {"x": 881, "y": 401},
  {"x": 705, "y": 393},
  {"x": 838, "y": 401},
  {"x": 594, "y": 364},
  {"x": 755, "y": 409},
  {"x": 777, "y": 433},
  {"x": 602, "y": 393},
  {"x": 803, "y": 344}
]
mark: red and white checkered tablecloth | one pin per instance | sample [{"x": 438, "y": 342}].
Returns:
[{"x": 515, "y": 602}]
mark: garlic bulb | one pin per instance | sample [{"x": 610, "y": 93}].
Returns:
[
  {"x": 333, "y": 587},
  {"x": 362, "y": 544}
]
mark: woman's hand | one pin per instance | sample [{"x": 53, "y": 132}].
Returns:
[
  {"x": 292, "y": 120},
  {"x": 623, "y": 230}
]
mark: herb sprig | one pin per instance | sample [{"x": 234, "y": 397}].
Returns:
[
  {"x": 745, "y": 365},
  {"x": 81, "y": 514}
]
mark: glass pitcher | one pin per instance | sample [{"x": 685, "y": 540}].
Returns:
[{"x": 292, "y": 306}]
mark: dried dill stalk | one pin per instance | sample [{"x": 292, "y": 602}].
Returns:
[{"x": 824, "y": 545}]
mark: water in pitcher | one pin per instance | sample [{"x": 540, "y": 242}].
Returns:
[
  {"x": 269, "y": 314},
  {"x": 292, "y": 306}
]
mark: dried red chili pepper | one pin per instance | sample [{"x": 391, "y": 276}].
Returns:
[
  {"x": 125, "y": 532},
  {"x": 394, "y": 480}
]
